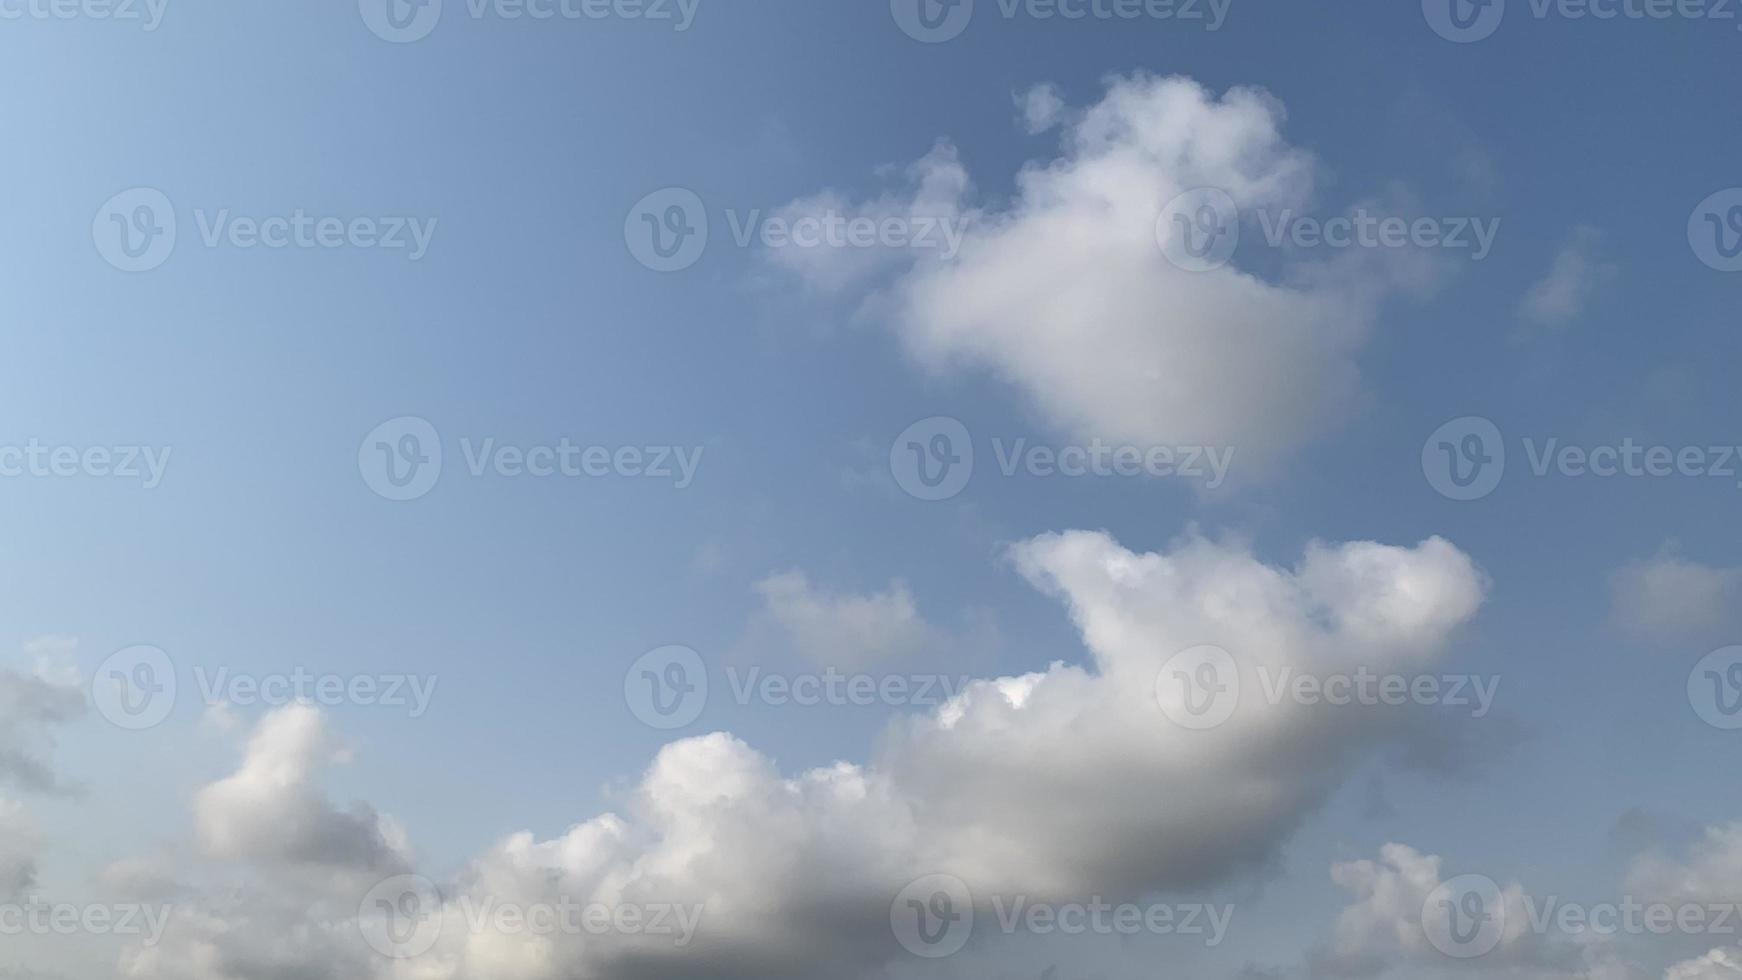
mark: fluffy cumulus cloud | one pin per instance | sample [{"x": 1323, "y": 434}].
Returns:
[
  {"x": 1400, "y": 922},
  {"x": 1066, "y": 294},
  {"x": 1064, "y": 783},
  {"x": 280, "y": 871},
  {"x": 1670, "y": 598},
  {"x": 1387, "y": 924},
  {"x": 1067, "y": 783},
  {"x": 1004, "y": 770},
  {"x": 272, "y": 809}
]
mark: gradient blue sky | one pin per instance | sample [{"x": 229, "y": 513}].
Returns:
[{"x": 529, "y": 320}]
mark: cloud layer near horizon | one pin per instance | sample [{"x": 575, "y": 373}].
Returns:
[{"x": 1057, "y": 785}]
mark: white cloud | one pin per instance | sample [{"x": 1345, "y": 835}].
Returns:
[
  {"x": 1392, "y": 926},
  {"x": 141, "y": 879},
  {"x": 1003, "y": 769},
  {"x": 1671, "y": 598},
  {"x": 273, "y": 810},
  {"x": 1067, "y": 783},
  {"x": 938, "y": 184},
  {"x": 286, "y": 871},
  {"x": 1042, "y": 108},
  {"x": 1066, "y": 294},
  {"x": 1710, "y": 870},
  {"x": 1719, "y": 964},
  {"x": 19, "y": 842},
  {"x": 845, "y": 630},
  {"x": 272, "y": 932},
  {"x": 33, "y": 704},
  {"x": 1383, "y": 927},
  {"x": 1572, "y": 282}
]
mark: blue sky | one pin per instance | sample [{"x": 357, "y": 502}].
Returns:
[{"x": 525, "y": 144}]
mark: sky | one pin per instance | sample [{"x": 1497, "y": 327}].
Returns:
[{"x": 1067, "y": 489}]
